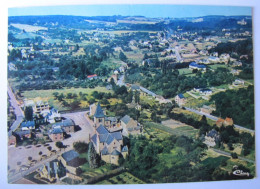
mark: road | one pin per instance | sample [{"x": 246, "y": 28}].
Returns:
[
  {"x": 21, "y": 154},
  {"x": 17, "y": 110},
  {"x": 229, "y": 154},
  {"x": 216, "y": 118},
  {"x": 120, "y": 81}
]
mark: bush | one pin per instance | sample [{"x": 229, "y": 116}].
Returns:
[
  {"x": 80, "y": 147},
  {"x": 234, "y": 155}
]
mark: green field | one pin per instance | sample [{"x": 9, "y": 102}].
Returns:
[
  {"x": 216, "y": 66},
  {"x": 47, "y": 95},
  {"x": 185, "y": 71},
  {"x": 179, "y": 131},
  {"x": 123, "y": 178}
]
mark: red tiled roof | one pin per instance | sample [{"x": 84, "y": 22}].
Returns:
[{"x": 90, "y": 76}]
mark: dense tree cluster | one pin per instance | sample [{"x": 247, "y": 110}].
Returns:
[{"x": 237, "y": 104}]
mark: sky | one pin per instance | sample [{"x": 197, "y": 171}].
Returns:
[{"x": 152, "y": 11}]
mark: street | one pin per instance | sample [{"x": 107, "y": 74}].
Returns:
[
  {"x": 216, "y": 118},
  {"x": 17, "y": 110}
]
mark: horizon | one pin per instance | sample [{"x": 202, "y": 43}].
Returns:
[{"x": 149, "y": 11}]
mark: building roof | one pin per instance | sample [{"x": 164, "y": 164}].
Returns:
[
  {"x": 212, "y": 133},
  {"x": 181, "y": 95},
  {"x": 102, "y": 130},
  {"x": 194, "y": 64},
  {"x": 68, "y": 122},
  {"x": 112, "y": 119},
  {"x": 94, "y": 139},
  {"x": 99, "y": 112},
  {"x": 70, "y": 155},
  {"x": 125, "y": 149},
  {"x": 104, "y": 151},
  {"x": 91, "y": 76},
  {"x": 115, "y": 153},
  {"x": 28, "y": 124},
  {"x": 56, "y": 130},
  {"x": 22, "y": 133},
  {"x": 126, "y": 119},
  {"x": 117, "y": 135}
]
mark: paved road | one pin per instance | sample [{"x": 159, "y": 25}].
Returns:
[
  {"x": 16, "y": 154},
  {"x": 229, "y": 154},
  {"x": 17, "y": 109},
  {"x": 216, "y": 118},
  {"x": 120, "y": 81}
]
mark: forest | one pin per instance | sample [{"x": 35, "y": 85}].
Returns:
[{"x": 238, "y": 104}]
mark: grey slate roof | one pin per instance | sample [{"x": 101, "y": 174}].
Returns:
[
  {"x": 102, "y": 130},
  {"x": 117, "y": 135},
  {"x": 70, "y": 155},
  {"x": 126, "y": 119},
  {"x": 94, "y": 139},
  {"x": 112, "y": 119},
  {"x": 116, "y": 153},
  {"x": 125, "y": 149},
  {"x": 99, "y": 112},
  {"x": 28, "y": 124},
  {"x": 56, "y": 130},
  {"x": 68, "y": 123},
  {"x": 104, "y": 151}
]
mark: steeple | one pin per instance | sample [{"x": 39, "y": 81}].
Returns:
[{"x": 99, "y": 112}]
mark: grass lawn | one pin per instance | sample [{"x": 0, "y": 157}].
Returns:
[
  {"x": 112, "y": 63},
  {"x": 123, "y": 178},
  {"x": 47, "y": 95},
  {"x": 216, "y": 66},
  {"x": 185, "y": 71}
]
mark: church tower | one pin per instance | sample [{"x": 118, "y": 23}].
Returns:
[{"x": 99, "y": 117}]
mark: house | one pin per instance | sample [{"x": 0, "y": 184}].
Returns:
[
  {"x": 53, "y": 116},
  {"x": 213, "y": 59},
  {"x": 237, "y": 64},
  {"x": 11, "y": 140},
  {"x": 129, "y": 126},
  {"x": 238, "y": 82},
  {"x": 56, "y": 134},
  {"x": 67, "y": 125},
  {"x": 205, "y": 91},
  {"x": 180, "y": 99},
  {"x": 114, "y": 77},
  {"x": 224, "y": 58},
  {"x": 109, "y": 145},
  {"x": 90, "y": 77},
  {"x": 72, "y": 161},
  {"x": 23, "y": 134},
  {"x": 235, "y": 72},
  {"x": 52, "y": 170},
  {"x": 41, "y": 107},
  {"x": 211, "y": 138},
  {"x": 27, "y": 125},
  {"x": 112, "y": 124},
  {"x": 206, "y": 109},
  {"x": 220, "y": 122},
  {"x": 195, "y": 66},
  {"x": 228, "y": 121}
]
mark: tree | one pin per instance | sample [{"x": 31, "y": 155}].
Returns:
[
  {"x": 122, "y": 56},
  {"x": 59, "y": 145},
  {"x": 92, "y": 156},
  {"x": 234, "y": 155},
  {"x": 28, "y": 113},
  {"x": 80, "y": 147}
]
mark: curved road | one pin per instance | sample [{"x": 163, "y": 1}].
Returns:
[{"x": 17, "y": 110}]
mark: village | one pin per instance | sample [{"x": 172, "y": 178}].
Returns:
[{"x": 81, "y": 101}]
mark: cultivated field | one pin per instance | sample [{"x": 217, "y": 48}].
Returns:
[{"x": 28, "y": 28}]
